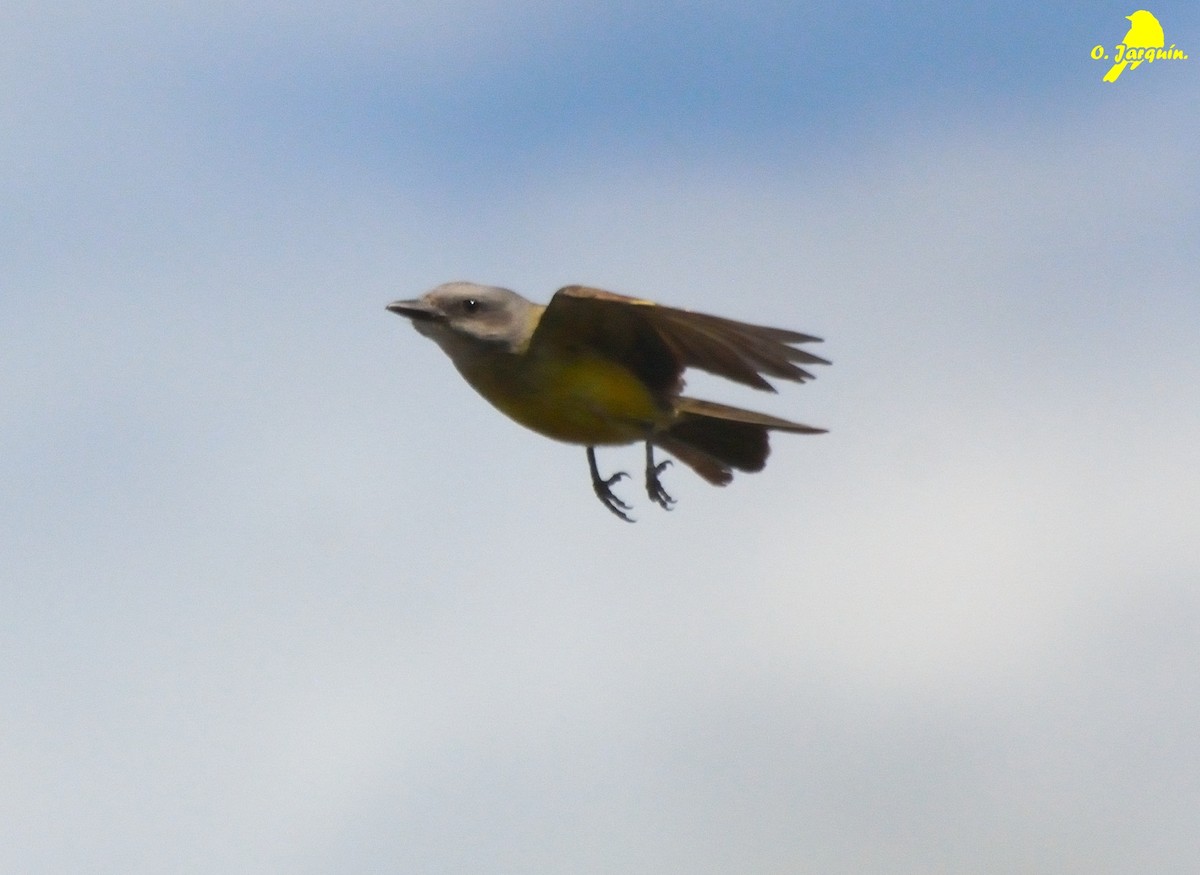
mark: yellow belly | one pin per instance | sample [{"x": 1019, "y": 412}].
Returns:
[{"x": 580, "y": 399}]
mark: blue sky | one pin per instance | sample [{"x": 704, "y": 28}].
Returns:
[{"x": 280, "y": 594}]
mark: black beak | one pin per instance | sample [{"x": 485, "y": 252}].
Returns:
[{"x": 417, "y": 309}]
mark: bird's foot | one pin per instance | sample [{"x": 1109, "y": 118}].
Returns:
[
  {"x": 610, "y": 500},
  {"x": 603, "y": 488},
  {"x": 654, "y": 487}
]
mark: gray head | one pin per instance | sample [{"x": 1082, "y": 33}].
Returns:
[{"x": 465, "y": 315}]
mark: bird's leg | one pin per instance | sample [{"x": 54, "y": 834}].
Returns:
[
  {"x": 654, "y": 487},
  {"x": 603, "y": 490}
]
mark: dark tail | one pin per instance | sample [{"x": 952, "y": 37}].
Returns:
[{"x": 714, "y": 439}]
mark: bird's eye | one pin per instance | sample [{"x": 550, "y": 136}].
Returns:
[{"x": 470, "y": 305}]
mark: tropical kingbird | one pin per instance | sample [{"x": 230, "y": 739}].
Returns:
[{"x": 596, "y": 368}]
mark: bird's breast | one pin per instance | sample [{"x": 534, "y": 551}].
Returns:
[{"x": 570, "y": 396}]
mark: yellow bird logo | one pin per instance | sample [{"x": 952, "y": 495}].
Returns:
[{"x": 1144, "y": 33}]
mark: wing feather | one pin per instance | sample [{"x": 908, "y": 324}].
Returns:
[{"x": 660, "y": 342}]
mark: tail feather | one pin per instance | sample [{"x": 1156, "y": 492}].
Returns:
[
  {"x": 709, "y": 467},
  {"x": 715, "y": 439},
  {"x": 694, "y": 407}
]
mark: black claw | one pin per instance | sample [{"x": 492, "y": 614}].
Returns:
[
  {"x": 654, "y": 487},
  {"x": 603, "y": 488},
  {"x": 605, "y": 494}
]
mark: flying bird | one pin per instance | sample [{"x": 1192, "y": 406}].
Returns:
[{"x": 597, "y": 368}]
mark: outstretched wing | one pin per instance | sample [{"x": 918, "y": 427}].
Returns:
[{"x": 657, "y": 343}]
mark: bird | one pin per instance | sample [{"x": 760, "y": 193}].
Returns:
[
  {"x": 1144, "y": 33},
  {"x": 597, "y": 368}
]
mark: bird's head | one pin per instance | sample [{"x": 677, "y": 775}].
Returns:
[{"x": 458, "y": 315}]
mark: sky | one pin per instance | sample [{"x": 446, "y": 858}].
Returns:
[{"x": 280, "y": 594}]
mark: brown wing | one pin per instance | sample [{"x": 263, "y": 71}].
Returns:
[{"x": 658, "y": 342}]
